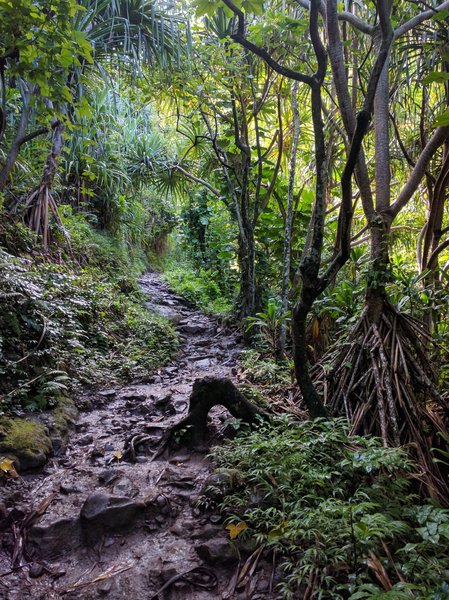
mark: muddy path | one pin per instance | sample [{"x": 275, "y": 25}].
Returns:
[{"x": 116, "y": 530}]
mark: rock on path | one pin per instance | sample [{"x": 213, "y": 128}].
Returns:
[{"x": 118, "y": 530}]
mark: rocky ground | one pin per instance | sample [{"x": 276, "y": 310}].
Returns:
[{"x": 93, "y": 525}]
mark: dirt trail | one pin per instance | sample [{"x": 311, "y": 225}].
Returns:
[{"x": 119, "y": 530}]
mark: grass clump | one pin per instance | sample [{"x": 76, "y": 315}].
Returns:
[{"x": 340, "y": 512}]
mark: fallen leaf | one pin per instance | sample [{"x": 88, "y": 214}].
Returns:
[
  {"x": 7, "y": 466},
  {"x": 118, "y": 454},
  {"x": 236, "y": 530}
]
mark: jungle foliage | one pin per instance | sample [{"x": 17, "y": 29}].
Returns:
[
  {"x": 341, "y": 511},
  {"x": 287, "y": 165}
]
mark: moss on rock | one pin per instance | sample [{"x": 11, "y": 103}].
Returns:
[{"x": 25, "y": 441}]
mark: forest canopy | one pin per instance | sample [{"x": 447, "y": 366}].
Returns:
[{"x": 286, "y": 164}]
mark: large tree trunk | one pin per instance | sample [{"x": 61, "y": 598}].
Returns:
[
  {"x": 213, "y": 391},
  {"x": 309, "y": 392},
  {"x": 375, "y": 296},
  {"x": 206, "y": 393}
]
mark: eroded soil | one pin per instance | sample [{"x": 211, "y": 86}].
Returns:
[{"x": 124, "y": 530}]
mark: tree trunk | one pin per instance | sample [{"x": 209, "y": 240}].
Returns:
[
  {"x": 247, "y": 260},
  {"x": 379, "y": 272},
  {"x": 309, "y": 393},
  {"x": 16, "y": 144},
  {"x": 289, "y": 220}
]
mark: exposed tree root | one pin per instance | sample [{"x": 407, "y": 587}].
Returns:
[
  {"x": 206, "y": 393},
  {"x": 382, "y": 380}
]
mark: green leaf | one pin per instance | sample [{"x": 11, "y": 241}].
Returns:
[
  {"x": 443, "y": 119},
  {"x": 436, "y": 77}
]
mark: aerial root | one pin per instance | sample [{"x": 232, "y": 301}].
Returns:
[{"x": 382, "y": 380}]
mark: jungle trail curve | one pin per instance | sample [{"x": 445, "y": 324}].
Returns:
[{"x": 94, "y": 525}]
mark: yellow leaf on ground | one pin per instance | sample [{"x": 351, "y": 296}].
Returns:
[
  {"x": 236, "y": 530},
  {"x": 118, "y": 454},
  {"x": 7, "y": 466}
]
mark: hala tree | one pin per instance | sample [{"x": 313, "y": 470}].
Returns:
[
  {"x": 381, "y": 377},
  {"x": 53, "y": 48}
]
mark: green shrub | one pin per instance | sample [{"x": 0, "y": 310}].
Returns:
[
  {"x": 339, "y": 510},
  {"x": 198, "y": 287},
  {"x": 60, "y": 325}
]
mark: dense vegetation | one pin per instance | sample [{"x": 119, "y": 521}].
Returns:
[{"x": 287, "y": 166}]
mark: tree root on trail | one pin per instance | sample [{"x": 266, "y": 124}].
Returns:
[
  {"x": 206, "y": 393},
  {"x": 382, "y": 380}
]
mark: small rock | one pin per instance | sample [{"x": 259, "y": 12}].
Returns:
[
  {"x": 171, "y": 370},
  {"x": 108, "y": 476},
  {"x": 202, "y": 364},
  {"x": 108, "y": 447},
  {"x": 123, "y": 487},
  {"x": 161, "y": 501},
  {"x": 207, "y": 532},
  {"x": 68, "y": 488},
  {"x": 109, "y": 541},
  {"x": 141, "y": 459},
  {"x": 134, "y": 395},
  {"x": 217, "y": 551},
  {"x": 163, "y": 401},
  {"x": 179, "y": 458},
  {"x": 188, "y": 524},
  {"x": 105, "y": 587},
  {"x": 97, "y": 452},
  {"x": 108, "y": 393},
  {"x": 177, "y": 529},
  {"x": 215, "y": 518},
  {"x": 160, "y": 519},
  {"x": 36, "y": 570},
  {"x": 85, "y": 440}
]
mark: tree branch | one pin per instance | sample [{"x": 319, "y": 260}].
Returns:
[
  {"x": 198, "y": 180},
  {"x": 239, "y": 37},
  {"x": 418, "y": 19},
  {"x": 342, "y": 16},
  {"x": 437, "y": 139},
  {"x": 33, "y": 134}
]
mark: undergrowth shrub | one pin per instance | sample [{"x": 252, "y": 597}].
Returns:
[
  {"x": 339, "y": 510},
  {"x": 61, "y": 325}
]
